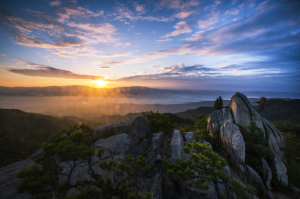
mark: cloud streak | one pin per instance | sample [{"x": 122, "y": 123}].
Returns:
[{"x": 39, "y": 70}]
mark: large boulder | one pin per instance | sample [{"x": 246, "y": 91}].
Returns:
[
  {"x": 190, "y": 137},
  {"x": 138, "y": 127},
  {"x": 254, "y": 179},
  {"x": 232, "y": 142},
  {"x": 280, "y": 170},
  {"x": 242, "y": 111},
  {"x": 216, "y": 119},
  {"x": 117, "y": 144},
  {"x": 177, "y": 145}
]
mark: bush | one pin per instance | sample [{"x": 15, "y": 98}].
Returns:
[
  {"x": 241, "y": 191},
  {"x": 204, "y": 165},
  {"x": 200, "y": 127},
  {"x": 159, "y": 122}
]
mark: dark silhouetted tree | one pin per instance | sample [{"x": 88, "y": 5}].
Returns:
[{"x": 218, "y": 103}]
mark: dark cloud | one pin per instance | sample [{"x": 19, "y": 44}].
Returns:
[
  {"x": 175, "y": 71},
  {"x": 40, "y": 70}
]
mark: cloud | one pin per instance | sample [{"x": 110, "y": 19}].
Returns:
[
  {"x": 164, "y": 40},
  {"x": 183, "y": 14},
  {"x": 109, "y": 62},
  {"x": 105, "y": 67},
  {"x": 181, "y": 27},
  {"x": 139, "y": 8},
  {"x": 64, "y": 38},
  {"x": 40, "y": 70},
  {"x": 174, "y": 71},
  {"x": 115, "y": 55},
  {"x": 233, "y": 11},
  {"x": 213, "y": 18},
  {"x": 2, "y": 55},
  {"x": 55, "y": 3},
  {"x": 177, "y": 4}
]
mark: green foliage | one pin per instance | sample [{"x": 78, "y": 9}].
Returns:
[
  {"x": 241, "y": 191},
  {"x": 200, "y": 127},
  {"x": 159, "y": 122},
  {"x": 72, "y": 148},
  {"x": 218, "y": 103},
  {"x": 204, "y": 165},
  {"x": 256, "y": 146},
  {"x": 291, "y": 135}
]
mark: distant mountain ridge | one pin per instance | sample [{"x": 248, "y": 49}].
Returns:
[{"x": 77, "y": 90}]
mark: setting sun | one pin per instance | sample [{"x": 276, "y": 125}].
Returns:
[{"x": 100, "y": 83}]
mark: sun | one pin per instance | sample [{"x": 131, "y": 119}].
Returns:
[{"x": 101, "y": 83}]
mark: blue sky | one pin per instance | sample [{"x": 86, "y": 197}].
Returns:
[{"x": 201, "y": 45}]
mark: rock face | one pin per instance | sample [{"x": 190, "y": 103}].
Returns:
[
  {"x": 138, "y": 127},
  {"x": 280, "y": 170},
  {"x": 254, "y": 179},
  {"x": 216, "y": 119},
  {"x": 267, "y": 174},
  {"x": 117, "y": 144},
  {"x": 243, "y": 112},
  {"x": 240, "y": 112},
  {"x": 190, "y": 137},
  {"x": 156, "y": 141},
  {"x": 233, "y": 143},
  {"x": 177, "y": 145}
]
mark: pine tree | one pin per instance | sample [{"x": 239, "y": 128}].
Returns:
[{"x": 218, "y": 103}]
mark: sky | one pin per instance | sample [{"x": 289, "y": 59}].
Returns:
[{"x": 177, "y": 44}]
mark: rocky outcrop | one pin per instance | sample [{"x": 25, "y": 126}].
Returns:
[
  {"x": 254, "y": 179},
  {"x": 216, "y": 119},
  {"x": 280, "y": 170},
  {"x": 117, "y": 144},
  {"x": 243, "y": 112},
  {"x": 231, "y": 140},
  {"x": 190, "y": 137},
  {"x": 156, "y": 141},
  {"x": 240, "y": 112},
  {"x": 275, "y": 139},
  {"x": 177, "y": 145},
  {"x": 138, "y": 127},
  {"x": 267, "y": 174}
]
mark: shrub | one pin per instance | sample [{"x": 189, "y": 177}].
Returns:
[
  {"x": 204, "y": 165},
  {"x": 200, "y": 127},
  {"x": 241, "y": 191},
  {"x": 159, "y": 122}
]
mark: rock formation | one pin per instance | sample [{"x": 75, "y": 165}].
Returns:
[
  {"x": 222, "y": 127},
  {"x": 133, "y": 137}
]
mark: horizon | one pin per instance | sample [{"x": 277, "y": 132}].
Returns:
[
  {"x": 146, "y": 87},
  {"x": 169, "y": 44}
]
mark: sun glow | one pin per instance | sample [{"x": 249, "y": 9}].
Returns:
[{"x": 100, "y": 83}]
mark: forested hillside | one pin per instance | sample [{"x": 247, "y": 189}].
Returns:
[
  {"x": 281, "y": 110},
  {"x": 22, "y": 133}
]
